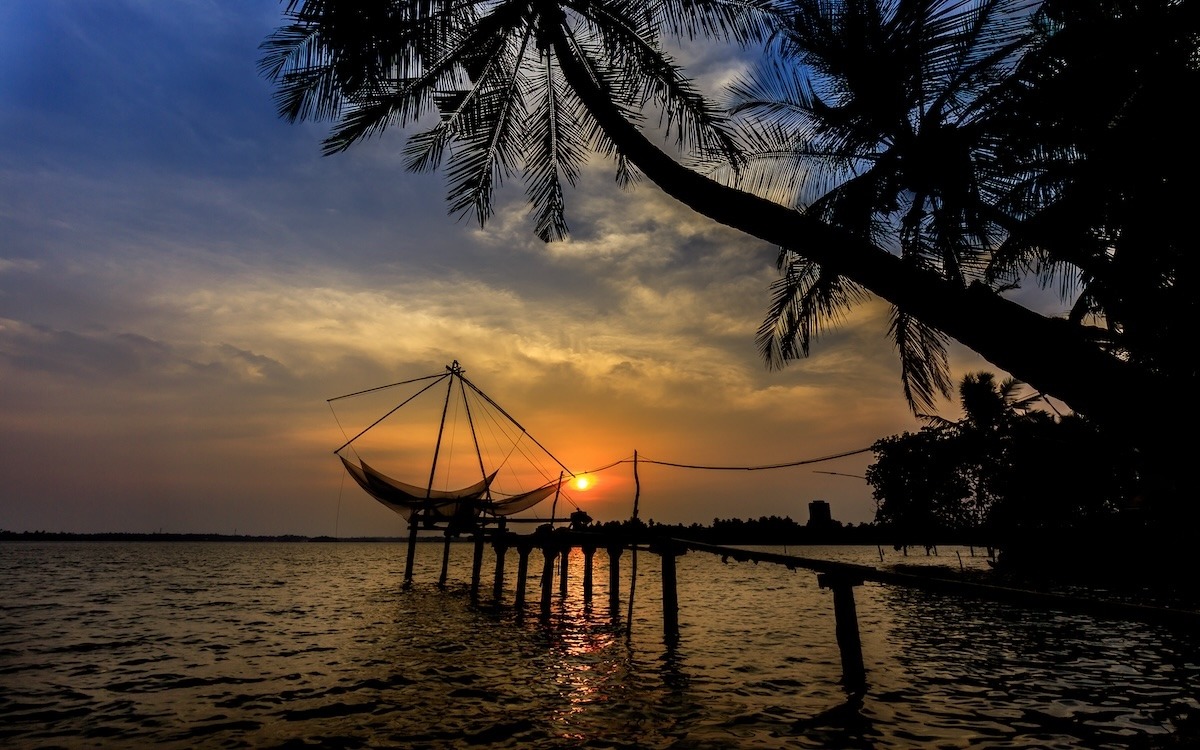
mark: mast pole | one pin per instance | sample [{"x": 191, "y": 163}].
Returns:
[
  {"x": 478, "y": 506},
  {"x": 454, "y": 370},
  {"x": 474, "y": 438},
  {"x": 554, "y": 506}
]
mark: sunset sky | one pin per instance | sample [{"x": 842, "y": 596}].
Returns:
[{"x": 185, "y": 280}]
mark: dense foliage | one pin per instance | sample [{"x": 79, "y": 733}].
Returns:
[
  {"x": 1004, "y": 473},
  {"x": 937, "y": 154}
]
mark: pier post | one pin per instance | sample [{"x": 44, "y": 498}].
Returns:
[
  {"x": 614, "y": 577},
  {"x": 412, "y": 547},
  {"x": 523, "y": 551},
  {"x": 846, "y": 626},
  {"x": 562, "y": 570},
  {"x": 547, "y": 576},
  {"x": 589, "y": 551},
  {"x": 476, "y": 566},
  {"x": 500, "y": 544},
  {"x": 445, "y": 561},
  {"x": 670, "y": 591}
]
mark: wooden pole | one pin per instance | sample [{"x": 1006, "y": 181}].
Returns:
[
  {"x": 554, "y": 505},
  {"x": 589, "y": 551},
  {"x": 476, "y": 566},
  {"x": 412, "y": 547},
  {"x": 523, "y": 551},
  {"x": 501, "y": 547},
  {"x": 670, "y": 594},
  {"x": 547, "y": 577},
  {"x": 445, "y": 561},
  {"x": 614, "y": 578},
  {"x": 562, "y": 571},
  {"x": 846, "y": 626},
  {"x": 637, "y": 493}
]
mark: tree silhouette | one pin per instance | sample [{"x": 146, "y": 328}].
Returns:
[
  {"x": 957, "y": 155},
  {"x": 1002, "y": 472}
]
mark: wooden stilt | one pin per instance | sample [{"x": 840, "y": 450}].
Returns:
[
  {"x": 476, "y": 566},
  {"x": 412, "y": 547},
  {"x": 547, "y": 577},
  {"x": 637, "y": 493},
  {"x": 589, "y": 552},
  {"x": 445, "y": 561},
  {"x": 562, "y": 571},
  {"x": 523, "y": 551},
  {"x": 614, "y": 578},
  {"x": 501, "y": 547},
  {"x": 670, "y": 593},
  {"x": 846, "y": 623}
]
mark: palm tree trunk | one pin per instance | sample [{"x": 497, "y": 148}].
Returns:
[{"x": 1049, "y": 354}]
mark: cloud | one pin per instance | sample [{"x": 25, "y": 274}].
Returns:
[{"x": 184, "y": 281}]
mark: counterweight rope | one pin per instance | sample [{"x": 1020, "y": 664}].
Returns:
[{"x": 642, "y": 459}]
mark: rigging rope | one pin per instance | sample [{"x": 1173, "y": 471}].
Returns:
[
  {"x": 515, "y": 442},
  {"x": 642, "y": 459}
]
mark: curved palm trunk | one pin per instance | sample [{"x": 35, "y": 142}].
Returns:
[{"x": 1049, "y": 354}]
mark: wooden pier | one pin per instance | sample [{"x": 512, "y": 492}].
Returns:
[{"x": 556, "y": 544}]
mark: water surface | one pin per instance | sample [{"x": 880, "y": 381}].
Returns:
[{"x": 234, "y": 645}]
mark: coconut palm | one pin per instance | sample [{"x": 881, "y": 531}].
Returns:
[
  {"x": 493, "y": 74},
  {"x": 1110, "y": 199},
  {"x": 875, "y": 116},
  {"x": 530, "y": 87}
]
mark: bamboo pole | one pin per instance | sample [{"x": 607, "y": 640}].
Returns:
[
  {"x": 547, "y": 577},
  {"x": 445, "y": 561},
  {"x": 637, "y": 492},
  {"x": 670, "y": 594},
  {"x": 412, "y": 548},
  {"x": 614, "y": 578},
  {"x": 589, "y": 551},
  {"x": 562, "y": 571},
  {"x": 523, "y": 551},
  {"x": 501, "y": 547},
  {"x": 476, "y": 566}
]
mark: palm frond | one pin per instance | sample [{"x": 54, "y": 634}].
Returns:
[
  {"x": 924, "y": 364},
  {"x": 404, "y": 100},
  {"x": 741, "y": 21},
  {"x": 306, "y": 88},
  {"x": 492, "y": 150},
  {"x": 555, "y": 150},
  {"x": 648, "y": 75},
  {"x": 804, "y": 302}
]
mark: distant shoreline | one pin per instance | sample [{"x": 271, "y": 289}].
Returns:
[
  {"x": 112, "y": 536},
  {"x": 63, "y": 536}
]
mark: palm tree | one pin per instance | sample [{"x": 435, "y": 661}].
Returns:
[
  {"x": 495, "y": 73},
  {"x": 989, "y": 406},
  {"x": 532, "y": 86},
  {"x": 1110, "y": 198},
  {"x": 993, "y": 412},
  {"x": 876, "y": 116}
]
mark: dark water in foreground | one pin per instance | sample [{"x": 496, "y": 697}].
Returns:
[{"x": 294, "y": 645}]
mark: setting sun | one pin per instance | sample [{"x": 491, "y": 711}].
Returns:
[{"x": 582, "y": 483}]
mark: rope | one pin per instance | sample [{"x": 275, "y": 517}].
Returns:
[
  {"x": 343, "y": 430},
  {"x": 803, "y": 462}
]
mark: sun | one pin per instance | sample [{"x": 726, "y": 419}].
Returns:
[{"x": 583, "y": 483}]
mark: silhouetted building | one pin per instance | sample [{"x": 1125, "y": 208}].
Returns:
[{"x": 819, "y": 515}]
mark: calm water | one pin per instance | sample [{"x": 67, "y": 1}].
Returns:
[{"x": 306, "y": 645}]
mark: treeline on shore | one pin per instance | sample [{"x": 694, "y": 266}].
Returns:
[
  {"x": 118, "y": 536},
  {"x": 766, "y": 530}
]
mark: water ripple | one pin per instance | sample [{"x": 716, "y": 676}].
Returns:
[{"x": 317, "y": 645}]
